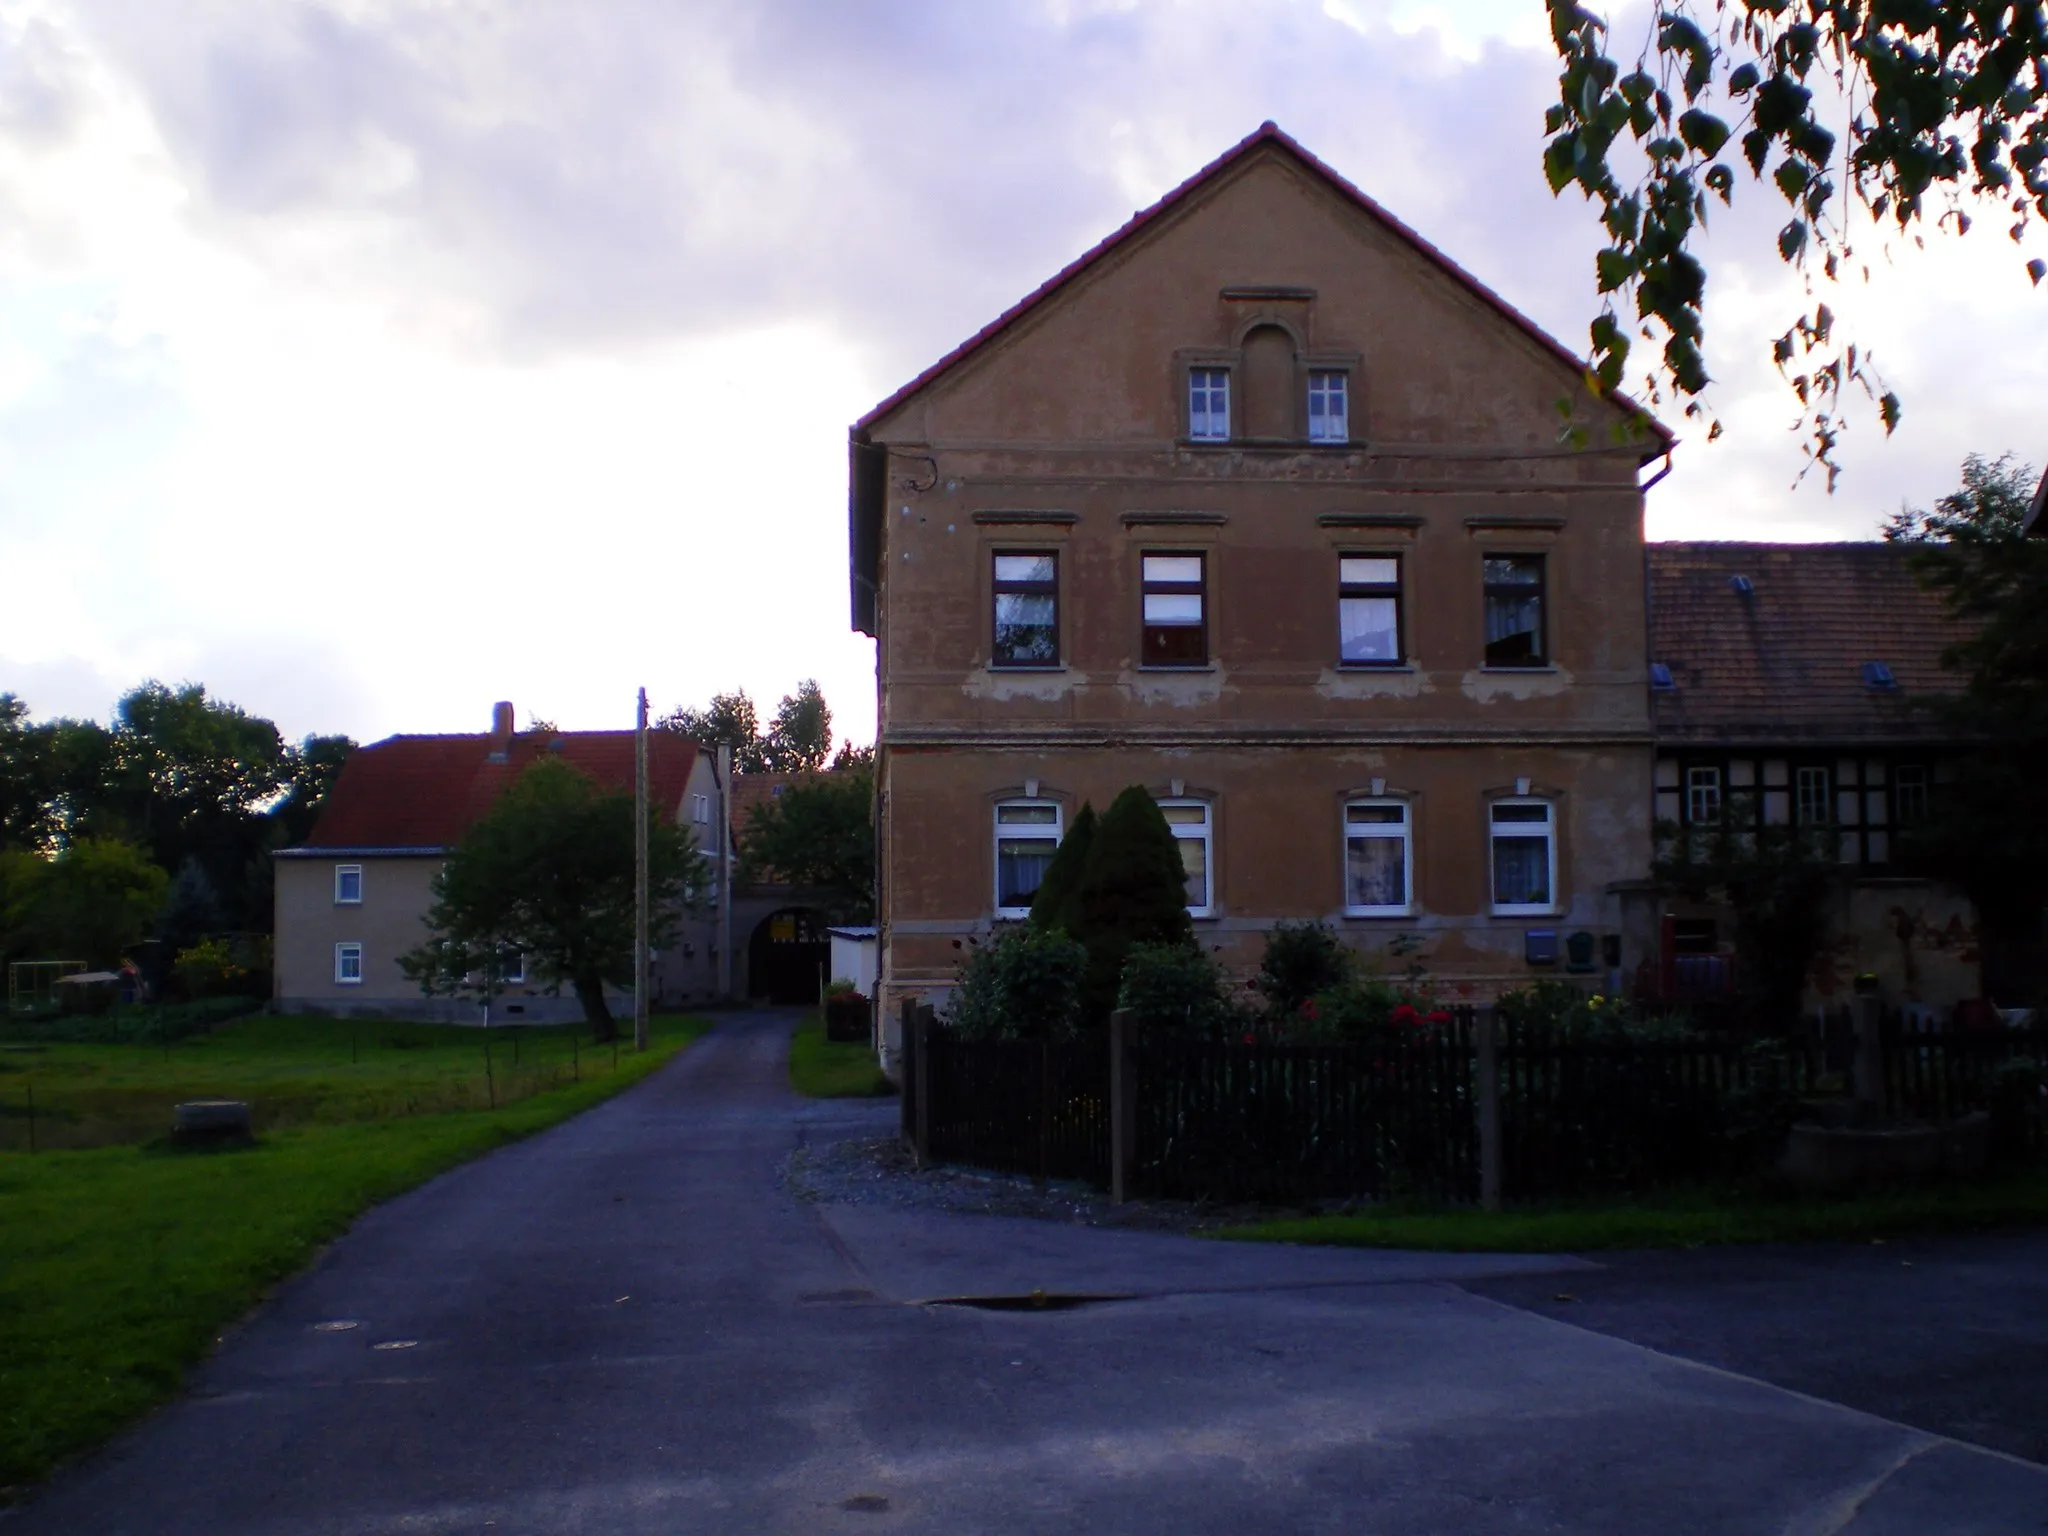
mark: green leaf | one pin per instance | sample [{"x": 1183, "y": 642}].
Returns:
[
  {"x": 1744, "y": 79},
  {"x": 1888, "y": 411},
  {"x": 1722, "y": 180},
  {"x": 1792, "y": 240},
  {"x": 1791, "y": 177},
  {"x": 1614, "y": 269},
  {"x": 1560, "y": 158},
  {"x": 1703, "y": 131},
  {"x": 2037, "y": 269}
]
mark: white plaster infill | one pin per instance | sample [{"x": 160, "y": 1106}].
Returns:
[
  {"x": 1183, "y": 688},
  {"x": 1483, "y": 685},
  {"x": 1045, "y": 685},
  {"x": 1373, "y": 683}
]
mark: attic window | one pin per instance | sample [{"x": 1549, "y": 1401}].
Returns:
[
  {"x": 1660, "y": 678},
  {"x": 1878, "y": 675}
]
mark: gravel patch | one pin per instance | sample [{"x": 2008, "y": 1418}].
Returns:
[{"x": 880, "y": 1171}]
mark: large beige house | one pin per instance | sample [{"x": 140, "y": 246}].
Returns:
[
  {"x": 1263, "y": 504},
  {"x": 352, "y": 898}
]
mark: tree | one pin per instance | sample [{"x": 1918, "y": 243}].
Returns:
[
  {"x": 800, "y": 740},
  {"x": 851, "y": 757},
  {"x": 729, "y": 721},
  {"x": 1938, "y": 103},
  {"x": 310, "y": 770},
  {"x": 27, "y": 779},
  {"x": 1133, "y": 890},
  {"x": 89, "y": 903},
  {"x": 548, "y": 872},
  {"x": 821, "y": 834},
  {"x": 1056, "y": 904},
  {"x": 1988, "y": 831},
  {"x": 1775, "y": 881}
]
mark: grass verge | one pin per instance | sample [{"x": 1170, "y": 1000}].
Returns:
[
  {"x": 120, "y": 1266},
  {"x": 832, "y": 1069},
  {"x": 1684, "y": 1221}
]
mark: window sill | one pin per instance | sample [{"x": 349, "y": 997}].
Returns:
[
  {"x": 1517, "y": 914},
  {"x": 1000, "y": 667},
  {"x": 1169, "y": 666},
  {"x": 1375, "y": 666},
  {"x": 1277, "y": 444},
  {"x": 1531, "y": 666},
  {"x": 1381, "y": 915}
]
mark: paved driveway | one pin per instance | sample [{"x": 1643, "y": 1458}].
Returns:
[{"x": 624, "y": 1326}]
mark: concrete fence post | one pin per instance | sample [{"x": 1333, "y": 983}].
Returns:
[
  {"x": 1486, "y": 1066},
  {"x": 906, "y": 1064},
  {"x": 1869, "y": 1072},
  {"x": 1123, "y": 1107}
]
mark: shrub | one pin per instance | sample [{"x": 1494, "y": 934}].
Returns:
[
  {"x": 207, "y": 969},
  {"x": 1055, "y": 906},
  {"x": 1133, "y": 891},
  {"x": 1177, "y": 987},
  {"x": 1301, "y": 960},
  {"x": 1026, "y": 984},
  {"x": 2018, "y": 1105},
  {"x": 1564, "y": 1011}
]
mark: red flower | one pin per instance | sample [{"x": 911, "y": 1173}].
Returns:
[
  {"x": 1405, "y": 1014},
  {"x": 1308, "y": 1008},
  {"x": 1250, "y": 1038},
  {"x": 1439, "y": 1016}
]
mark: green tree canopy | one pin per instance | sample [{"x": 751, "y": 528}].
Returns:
[
  {"x": 90, "y": 903},
  {"x": 800, "y": 740},
  {"x": 822, "y": 834},
  {"x": 548, "y": 872},
  {"x": 730, "y": 720},
  {"x": 1918, "y": 112}
]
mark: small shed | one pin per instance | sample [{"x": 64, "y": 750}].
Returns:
[{"x": 854, "y": 957}]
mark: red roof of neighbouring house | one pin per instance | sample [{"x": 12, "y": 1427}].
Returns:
[
  {"x": 1266, "y": 133},
  {"x": 421, "y": 793},
  {"x": 1771, "y": 642}
]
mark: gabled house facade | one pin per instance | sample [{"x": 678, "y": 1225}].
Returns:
[
  {"x": 1785, "y": 688},
  {"x": 1262, "y": 504},
  {"x": 353, "y": 896}
]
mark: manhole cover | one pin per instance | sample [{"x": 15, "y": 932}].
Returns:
[
  {"x": 866, "y": 1504},
  {"x": 337, "y": 1325},
  {"x": 1030, "y": 1301},
  {"x": 397, "y": 1344}
]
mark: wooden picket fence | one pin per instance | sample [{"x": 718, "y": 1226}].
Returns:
[{"x": 1475, "y": 1110}]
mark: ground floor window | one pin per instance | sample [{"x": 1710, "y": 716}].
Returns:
[
  {"x": 1376, "y": 858},
  {"x": 1524, "y": 856},
  {"x": 1027, "y": 836},
  {"x": 1190, "y": 822},
  {"x": 348, "y": 964}
]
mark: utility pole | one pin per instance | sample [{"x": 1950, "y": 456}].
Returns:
[
  {"x": 724, "y": 776},
  {"x": 640, "y": 876}
]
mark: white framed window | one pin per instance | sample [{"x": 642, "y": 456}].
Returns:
[
  {"x": 1329, "y": 414},
  {"x": 1027, "y": 836},
  {"x": 348, "y": 965},
  {"x": 1909, "y": 793},
  {"x": 1523, "y": 854},
  {"x": 1378, "y": 861},
  {"x": 700, "y": 809},
  {"x": 1703, "y": 796},
  {"x": 1192, "y": 827},
  {"x": 1811, "y": 804},
  {"x": 1209, "y": 404},
  {"x": 1369, "y": 609},
  {"x": 348, "y": 885}
]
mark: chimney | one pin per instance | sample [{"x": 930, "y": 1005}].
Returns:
[{"x": 501, "y": 731}]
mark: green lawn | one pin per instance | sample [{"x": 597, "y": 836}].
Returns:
[
  {"x": 1686, "y": 1221},
  {"x": 827, "y": 1069},
  {"x": 119, "y": 1266}
]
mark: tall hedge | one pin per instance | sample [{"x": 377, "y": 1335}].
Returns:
[
  {"x": 1055, "y": 906},
  {"x": 1133, "y": 891}
]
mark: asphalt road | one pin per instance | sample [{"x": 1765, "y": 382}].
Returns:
[{"x": 624, "y": 1325}]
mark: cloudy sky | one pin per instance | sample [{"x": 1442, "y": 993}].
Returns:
[{"x": 371, "y": 361}]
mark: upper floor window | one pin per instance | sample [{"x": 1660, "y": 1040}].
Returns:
[
  {"x": 1810, "y": 803},
  {"x": 1369, "y": 608},
  {"x": 1175, "y": 599},
  {"x": 1027, "y": 609},
  {"x": 1523, "y": 834},
  {"x": 348, "y": 964},
  {"x": 1329, "y": 414},
  {"x": 1514, "y": 611},
  {"x": 1376, "y": 861},
  {"x": 1027, "y": 836},
  {"x": 1909, "y": 791},
  {"x": 1190, "y": 824},
  {"x": 700, "y": 809},
  {"x": 348, "y": 885},
  {"x": 1209, "y": 404},
  {"x": 1702, "y": 796}
]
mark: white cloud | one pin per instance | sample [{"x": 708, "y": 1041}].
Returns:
[{"x": 371, "y": 361}]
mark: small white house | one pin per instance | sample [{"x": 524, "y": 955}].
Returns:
[{"x": 855, "y": 956}]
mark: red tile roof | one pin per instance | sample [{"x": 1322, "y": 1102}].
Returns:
[
  {"x": 1784, "y": 662},
  {"x": 423, "y": 792},
  {"x": 1266, "y": 133}
]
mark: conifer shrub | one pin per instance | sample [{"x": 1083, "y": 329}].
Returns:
[
  {"x": 1179, "y": 987},
  {"x": 1025, "y": 984},
  {"x": 1054, "y": 906},
  {"x": 1133, "y": 890}
]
